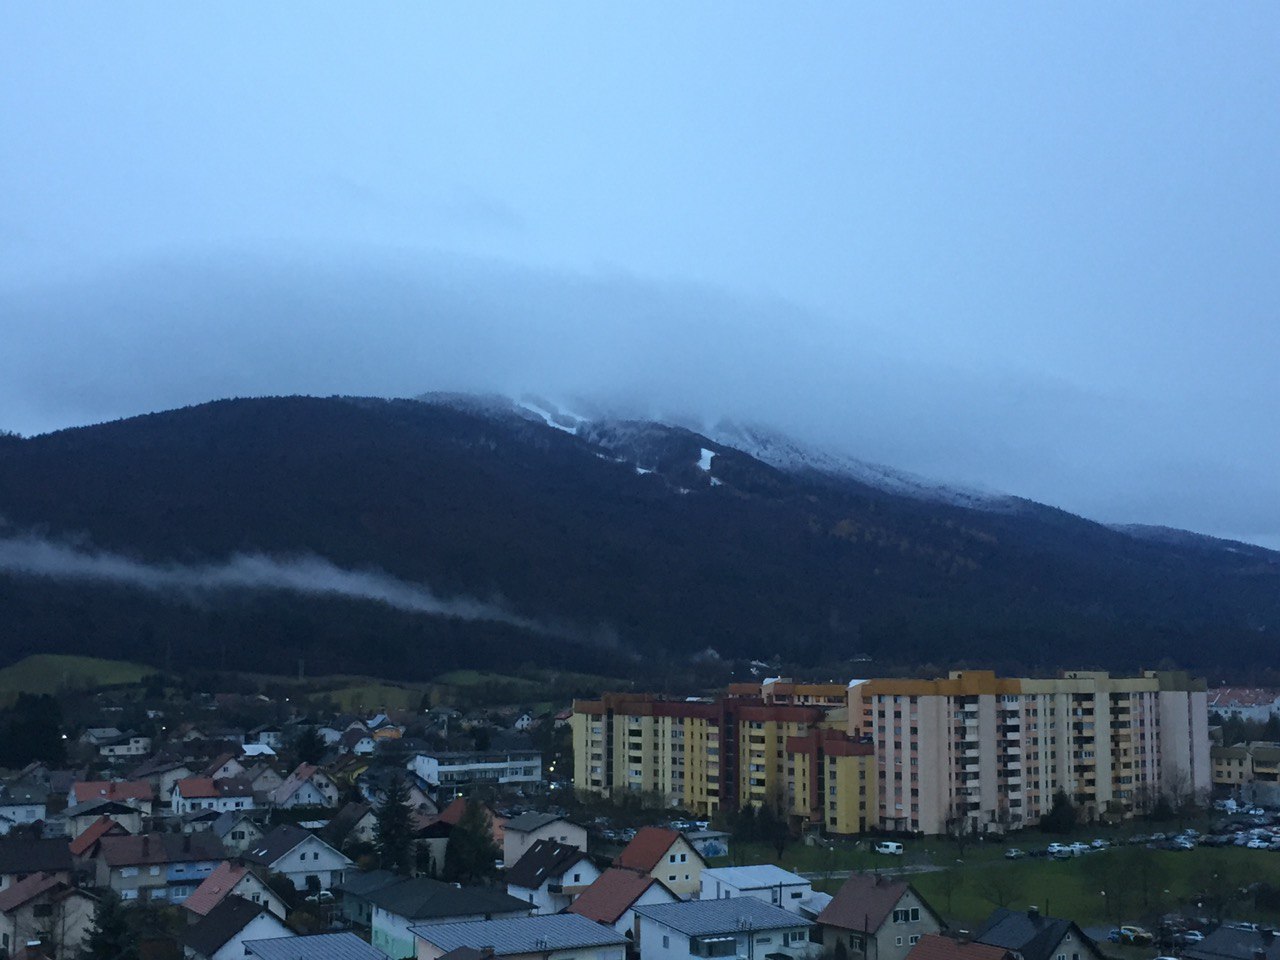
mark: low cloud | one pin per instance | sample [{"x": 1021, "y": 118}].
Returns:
[{"x": 312, "y": 575}]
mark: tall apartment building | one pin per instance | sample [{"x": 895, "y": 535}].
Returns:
[
  {"x": 707, "y": 756},
  {"x": 984, "y": 753}
]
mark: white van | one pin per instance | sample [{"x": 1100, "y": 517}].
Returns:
[{"x": 889, "y": 846}]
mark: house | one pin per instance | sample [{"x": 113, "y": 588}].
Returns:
[
  {"x": 782, "y": 888},
  {"x": 525, "y": 830},
  {"x": 353, "y": 894},
  {"x": 522, "y": 722},
  {"x": 399, "y": 906},
  {"x": 550, "y": 875},
  {"x": 97, "y": 736},
  {"x": 222, "y": 766},
  {"x": 741, "y": 926},
  {"x": 374, "y": 784},
  {"x": 156, "y": 866},
  {"x": 354, "y": 823},
  {"x": 236, "y": 879},
  {"x": 357, "y": 742},
  {"x": 452, "y": 770},
  {"x": 46, "y": 908},
  {"x": 255, "y": 751},
  {"x": 1033, "y": 936},
  {"x": 20, "y": 858},
  {"x": 206, "y": 793},
  {"x": 615, "y": 894},
  {"x": 85, "y": 842},
  {"x": 666, "y": 855},
  {"x": 236, "y": 830},
  {"x": 220, "y": 935},
  {"x": 308, "y": 862},
  {"x": 933, "y": 946},
  {"x": 873, "y": 916},
  {"x": 162, "y": 774},
  {"x": 267, "y": 735},
  {"x": 127, "y": 745},
  {"x": 709, "y": 843},
  {"x": 563, "y": 936},
  {"x": 21, "y": 802},
  {"x": 317, "y": 946},
  {"x": 264, "y": 779},
  {"x": 83, "y": 815},
  {"x": 134, "y": 793},
  {"x": 307, "y": 786}
]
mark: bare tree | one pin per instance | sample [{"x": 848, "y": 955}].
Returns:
[{"x": 999, "y": 886}]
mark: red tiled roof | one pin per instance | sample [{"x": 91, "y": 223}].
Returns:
[
  {"x": 197, "y": 787},
  {"x": 646, "y": 849},
  {"x": 863, "y": 903},
  {"x": 933, "y": 946},
  {"x": 215, "y": 888},
  {"x": 1242, "y": 696},
  {"x": 16, "y": 894},
  {"x": 93, "y": 833},
  {"x": 612, "y": 894},
  {"x": 120, "y": 790}
]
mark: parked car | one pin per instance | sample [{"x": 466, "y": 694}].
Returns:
[
  {"x": 1058, "y": 850},
  {"x": 889, "y": 846},
  {"x": 1013, "y": 853},
  {"x": 1136, "y": 936},
  {"x": 1188, "y": 937}
]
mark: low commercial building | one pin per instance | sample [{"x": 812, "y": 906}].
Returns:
[
  {"x": 454, "y": 770},
  {"x": 738, "y": 927},
  {"x": 765, "y": 882},
  {"x": 564, "y": 936}
]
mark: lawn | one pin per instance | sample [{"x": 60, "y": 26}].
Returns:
[
  {"x": 369, "y": 697},
  {"x": 49, "y": 673}
]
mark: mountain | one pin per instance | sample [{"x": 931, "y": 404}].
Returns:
[{"x": 576, "y": 541}]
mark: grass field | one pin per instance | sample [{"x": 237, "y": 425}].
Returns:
[
  {"x": 49, "y": 673},
  {"x": 369, "y": 697}
]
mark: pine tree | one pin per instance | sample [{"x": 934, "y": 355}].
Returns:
[
  {"x": 471, "y": 853},
  {"x": 111, "y": 937},
  {"x": 393, "y": 833}
]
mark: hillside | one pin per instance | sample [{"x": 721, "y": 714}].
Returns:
[{"x": 626, "y": 542}]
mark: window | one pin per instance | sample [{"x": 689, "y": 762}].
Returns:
[
  {"x": 666, "y": 941},
  {"x": 915, "y": 938},
  {"x": 897, "y": 941}
]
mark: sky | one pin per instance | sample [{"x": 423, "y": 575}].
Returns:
[{"x": 1025, "y": 248}]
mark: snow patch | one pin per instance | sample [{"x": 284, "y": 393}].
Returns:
[
  {"x": 641, "y": 470},
  {"x": 717, "y": 482},
  {"x": 704, "y": 461},
  {"x": 546, "y": 417}
]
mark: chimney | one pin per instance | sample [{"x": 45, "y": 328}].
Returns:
[
  {"x": 1033, "y": 913},
  {"x": 963, "y": 936}
]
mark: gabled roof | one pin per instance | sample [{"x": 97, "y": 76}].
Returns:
[
  {"x": 934, "y": 946},
  {"x": 206, "y": 788},
  {"x": 113, "y": 790},
  {"x": 1227, "y": 943},
  {"x": 293, "y": 783},
  {"x": 612, "y": 894},
  {"x": 702, "y": 918},
  {"x": 216, "y": 764},
  {"x": 421, "y": 898},
  {"x": 864, "y": 902},
  {"x": 528, "y": 822},
  {"x": 276, "y": 843},
  {"x": 158, "y": 848},
  {"x": 755, "y": 876},
  {"x": 344, "y": 821},
  {"x": 545, "y": 861},
  {"x": 16, "y": 894},
  {"x": 319, "y": 946},
  {"x": 363, "y": 883},
  {"x": 211, "y": 933},
  {"x": 1027, "y": 932},
  {"x": 19, "y": 855},
  {"x": 647, "y": 848},
  {"x": 95, "y": 832},
  {"x": 516, "y": 935},
  {"x": 228, "y": 819},
  {"x": 216, "y": 887}
]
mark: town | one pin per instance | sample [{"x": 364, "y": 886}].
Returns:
[{"x": 967, "y": 817}]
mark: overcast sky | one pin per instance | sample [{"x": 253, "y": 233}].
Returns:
[{"x": 1031, "y": 248}]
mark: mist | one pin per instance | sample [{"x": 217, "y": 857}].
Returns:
[{"x": 310, "y": 575}]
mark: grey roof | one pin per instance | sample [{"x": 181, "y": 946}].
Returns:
[
  {"x": 364, "y": 882},
  {"x": 546, "y": 861},
  {"x": 1028, "y": 932},
  {"x": 211, "y": 932},
  {"x": 528, "y": 822},
  {"x": 755, "y": 876},
  {"x": 701, "y": 918},
  {"x": 321, "y": 946},
  {"x": 274, "y": 845},
  {"x": 228, "y": 819},
  {"x": 1227, "y": 943},
  {"x": 540, "y": 934},
  {"x": 421, "y": 898},
  {"x": 20, "y": 855}
]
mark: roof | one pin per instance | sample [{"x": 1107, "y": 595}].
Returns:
[
  {"x": 701, "y": 918},
  {"x": 20, "y": 855},
  {"x": 1027, "y": 932},
  {"x": 421, "y": 898},
  {"x": 561, "y": 931},
  {"x": 113, "y": 790},
  {"x": 864, "y": 902},
  {"x": 228, "y": 819},
  {"x": 215, "y": 888},
  {"x": 293, "y": 783},
  {"x": 211, "y": 933},
  {"x": 156, "y": 848},
  {"x": 320, "y": 946},
  {"x": 646, "y": 849},
  {"x": 755, "y": 877},
  {"x": 93, "y": 833},
  {"x": 16, "y": 894},
  {"x": 276, "y": 843},
  {"x": 933, "y": 946},
  {"x": 544, "y": 861},
  {"x": 344, "y": 821},
  {"x": 1242, "y": 697},
  {"x": 23, "y": 792},
  {"x": 217, "y": 763},
  {"x": 528, "y": 822},
  {"x": 1227, "y": 943},
  {"x": 612, "y": 894},
  {"x": 364, "y": 882},
  {"x": 197, "y": 788}
]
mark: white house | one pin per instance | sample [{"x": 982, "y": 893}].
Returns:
[
  {"x": 205, "y": 793},
  {"x": 127, "y": 745},
  {"x": 307, "y": 786},
  {"x": 221, "y": 934},
  {"x": 233, "y": 879},
  {"x": 399, "y": 906},
  {"x": 766, "y": 882},
  {"x": 737, "y": 927},
  {"x": 550, "y": 875},
  {"x": 308, "y": 862},
  {"x": 523, "y": 831},
  {"x": 563, "y": 936},
  {"x": 22, "y": 802},
  {"x": 612, "y": 899}
]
